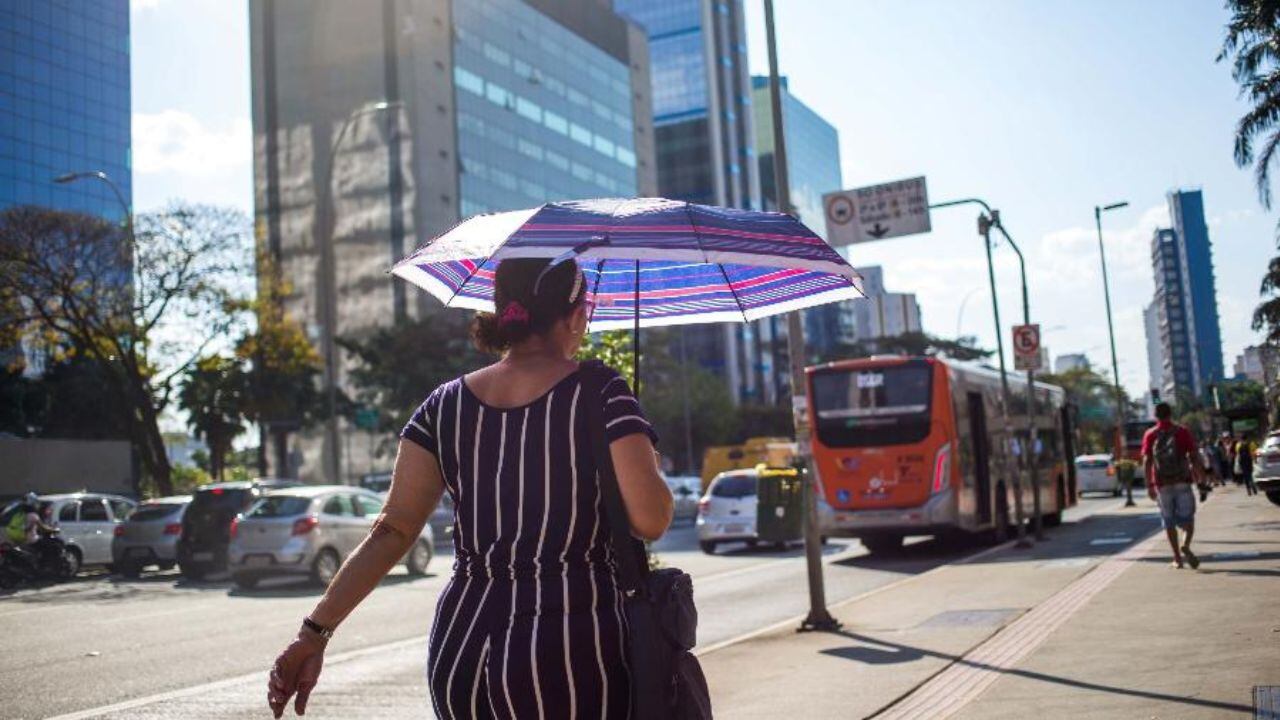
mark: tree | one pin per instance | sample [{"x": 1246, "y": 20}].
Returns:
[
  {"x": 1095, "y": 400},
  {"x": 75, "y": 283},
  {"x": 1252, "y": 44},
  {"x": 212, "y": 394},
  {"x": 281, "y": 369},
  {"x": 964, "y": 348}
]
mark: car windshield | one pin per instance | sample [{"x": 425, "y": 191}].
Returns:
[
  {"x": 280, "y": 506},
  {"x": 154, "y": 511},
  {"x": 1091, "y": 463},
  {"x": 734, "y": 486}
]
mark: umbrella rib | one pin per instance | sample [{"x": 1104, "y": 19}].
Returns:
[
  {"x": 698, "y": 239},
  {"x": 595, "y": 291}
]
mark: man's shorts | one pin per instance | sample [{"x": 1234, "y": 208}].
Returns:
[{"x": 1177, "y": 505}]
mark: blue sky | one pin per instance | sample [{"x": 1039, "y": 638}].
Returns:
[{"x": 1043, "y": 109}]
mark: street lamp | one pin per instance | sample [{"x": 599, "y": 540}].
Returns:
[
  {"x": 1111, "y": 330},
  {"x": 328, "y": 305},
  {"x": 68, "y": 178}
]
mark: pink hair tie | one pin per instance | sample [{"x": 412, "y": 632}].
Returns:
[{"x": 513, "y": 313}]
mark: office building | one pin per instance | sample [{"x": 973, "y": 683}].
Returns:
[
  {"x": 1069, "y": 362},
  {"x": 704, "y": 144},
  {"x": 881, "y": 314},
  {"x": 64, "y": 77},
  {"x": 1258, "y": 364},
  {"x": 489, "y": 105},
  {"x": 1185, "y": 304},
  {"x": 1155, "y": 354}
]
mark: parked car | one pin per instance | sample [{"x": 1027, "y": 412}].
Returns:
[
  {"x": 88, "y": 522},
  {"x": 379, "y": 482},
  {"x": 206, "y": 523},
  {"x": 441, "y": 519},
  {"x": 309, "y": 531},
  {"x": 1097, "y": 473},
  {"x": 686, "y": 490},
  {"x": 727, "y": 512},
  {"x": 1266, "y": 468},
  {"x": 150, "y": 536}
]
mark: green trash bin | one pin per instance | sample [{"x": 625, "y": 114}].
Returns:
[{"x": 779, "y": 507}]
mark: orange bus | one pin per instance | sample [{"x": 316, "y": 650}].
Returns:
[{"x": 919, "y": 446}]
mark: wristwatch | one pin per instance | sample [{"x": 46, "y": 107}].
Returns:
[{"x": 317, "y": 628}]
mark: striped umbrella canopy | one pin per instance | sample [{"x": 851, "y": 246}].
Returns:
[{"x": 647, "y": 261}]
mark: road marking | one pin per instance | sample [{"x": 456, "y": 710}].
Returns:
[
  {"x": 960, "y": 682},
  {"x": 851, "y": 552},
  {"x": 220, "y": 684},
  {"x": 1111, "y": 541}
]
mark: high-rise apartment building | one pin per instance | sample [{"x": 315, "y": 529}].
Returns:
[
  {"x": 1185, "y": 308},
  {"x": 1069, "y": 362},
  {"x": 1155, "y": 354},
  {"x": 487, "y": 105},
  {"x": 64, "y": 77},
  {"x": 704, "y": 144}
]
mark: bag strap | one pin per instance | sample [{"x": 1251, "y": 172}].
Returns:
[{"x": 629, "y": 551}]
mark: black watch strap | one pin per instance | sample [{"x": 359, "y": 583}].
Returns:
[{"x": 317, "y": 628}]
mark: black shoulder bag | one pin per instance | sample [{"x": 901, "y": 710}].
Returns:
[{"x": 666, "y": 679}]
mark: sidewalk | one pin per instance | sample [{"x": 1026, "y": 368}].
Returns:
[{"x": 1091, "y": 623}]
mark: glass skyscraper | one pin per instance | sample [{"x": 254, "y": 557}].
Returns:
[
  {"x": 64, "y": 80},
  {"x": 489, "y": 105}
]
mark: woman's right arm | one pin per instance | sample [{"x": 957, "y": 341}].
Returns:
[
  {"x": 416, "y": 487},
  {"x": 644, "y": 493}
]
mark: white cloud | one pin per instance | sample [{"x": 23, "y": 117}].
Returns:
[
  {"x": 144, "y": 4},
  {"x": 172, "y": 141}
]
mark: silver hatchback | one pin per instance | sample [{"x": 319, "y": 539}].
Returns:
[
  {"x": 150, "y": 536},
  {"x": 309, "y": 531}
]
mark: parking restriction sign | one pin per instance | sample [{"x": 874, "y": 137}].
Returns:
[{"x": 1026, "y": 347}]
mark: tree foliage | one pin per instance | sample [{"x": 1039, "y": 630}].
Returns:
[
  {"x": 213, "y": 394},
  {"x": 1094, "y": 397},
  {"x": 75, "y": 285},
  {"x": 964, "y": 348}
]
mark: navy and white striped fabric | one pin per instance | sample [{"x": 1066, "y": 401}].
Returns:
[
  {"x": 531, "y": 624},
  {"x": 693, "y": 263}
]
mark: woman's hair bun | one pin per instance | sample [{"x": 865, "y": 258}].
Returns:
[{"x": 520, "y": 312}]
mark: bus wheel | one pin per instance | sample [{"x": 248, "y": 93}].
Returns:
[
  {"x": 882, "y": 543},
  {"x": 1053, "y": 519}
]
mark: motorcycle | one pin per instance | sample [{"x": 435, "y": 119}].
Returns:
[{"x": 49, "y": 558}]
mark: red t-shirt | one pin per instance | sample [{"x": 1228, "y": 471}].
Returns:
[{"x": 1181, "y": 437}]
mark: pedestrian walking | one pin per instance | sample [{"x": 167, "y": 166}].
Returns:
[
  {"x": 1171, "y": 464},
  {"x": 1219, "y": 456},
  {"x": 531, "y": 623},
  {"x": 1206, "y": 472},
  {"x": 1244, "y": 463}
]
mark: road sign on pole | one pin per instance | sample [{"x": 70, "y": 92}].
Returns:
[
  {"x": 1026, "y": 347},
  {"x": 877, "y": 212}
]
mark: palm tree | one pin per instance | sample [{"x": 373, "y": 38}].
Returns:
[{"x": 1253, "y": 45}]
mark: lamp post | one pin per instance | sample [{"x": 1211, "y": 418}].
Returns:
[
  {"x": 818, "y": 618},
  {"x": 988, "y": 219},
  {"x": 328, "y": 306},
  {"x": 71, "y": 177},
  {"x": 1111, "y": 331}
]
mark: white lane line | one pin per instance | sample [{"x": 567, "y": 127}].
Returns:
[{"x": 220, "y": 684}]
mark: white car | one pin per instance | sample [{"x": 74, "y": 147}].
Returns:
[
  {"x": 686, "y": 490},
  {"x": 1266, "y": 468},
  {"x": 1096, "y": 473},
  {"x": 727, "y": 513}
]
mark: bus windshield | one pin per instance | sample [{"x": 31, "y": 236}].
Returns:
[{"x": 880, "y": 406}]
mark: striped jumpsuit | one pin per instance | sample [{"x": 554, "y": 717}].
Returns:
[{"x": 531, "y": 623}]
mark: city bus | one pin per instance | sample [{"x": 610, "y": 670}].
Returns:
[{"x": 919, "y": 446}]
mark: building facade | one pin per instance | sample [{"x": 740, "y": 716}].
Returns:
[
  {"x": 1184, "y": 312},
  {"x": 1155, "y": 353},
  {"x": 881, "y": 314},
  {"x": 486, "y": 105},
  {"x": 1257, "y": 363},
  {"x": 1069, "y": 362},
  {"x": 704, "y": 145},
  {"x": 64, "y": 74}
]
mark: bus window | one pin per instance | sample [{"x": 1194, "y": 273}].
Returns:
[{"x": 874, "y": 407}]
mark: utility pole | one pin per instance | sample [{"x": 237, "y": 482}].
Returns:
[
  {"x": 818, "y": 618},
  {"x": 1111, "y": 331}
]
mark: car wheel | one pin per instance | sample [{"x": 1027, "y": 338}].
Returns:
[
  {"x": 708, "y": 547},
  {"x": 129, "y": 570},
  {"x": 1274, "y": 496},
  {"x": 418, "y": 559},
  {"x": 753, "y": 544},
  {"x": 324, "y": 567},
  {"x": 1052, "y": 520},
  {"x": 243, "y": 581},
  {"x": 782, "y": 546},
  {"x": 882, "y": 544},
  {"x": 193, "y": 572},
  {"x": 74, "y": 561}
]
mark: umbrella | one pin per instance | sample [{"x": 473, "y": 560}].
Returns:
[{"x": 647, "y": 262}]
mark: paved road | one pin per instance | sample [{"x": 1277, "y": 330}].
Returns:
[{"x": 102, "y": 640}]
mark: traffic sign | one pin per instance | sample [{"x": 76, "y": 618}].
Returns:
[
  {"x": 1026, "y": 347},
  {"x": 366, "y": 418},
  {"x": 877, "y": 212}
]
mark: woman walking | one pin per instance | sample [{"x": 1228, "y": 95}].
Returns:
[{"x": 531, "y": 624}]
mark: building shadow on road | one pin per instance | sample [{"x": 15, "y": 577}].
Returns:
[
  {"x": 874, "y": 651},
  {"x": 303, "y": 587}
]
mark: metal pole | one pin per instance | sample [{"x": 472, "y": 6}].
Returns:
[
  {"x": 984, "y": 227},
  {"x": 818, "y": 618},
  {"x": 684, "y": 400},
  {"x": 329, "y": 309},
  {"x": 1115, "y": 364},
  {"x": 1030, "y": 456}
]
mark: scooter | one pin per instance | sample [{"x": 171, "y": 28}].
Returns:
[{"x": 49, "y": 558}]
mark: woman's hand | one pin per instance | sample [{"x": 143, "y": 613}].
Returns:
[{"x": 296, "y": 671}]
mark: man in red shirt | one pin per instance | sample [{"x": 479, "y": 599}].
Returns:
[{"x": 1169, "y": 458}]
